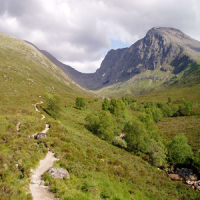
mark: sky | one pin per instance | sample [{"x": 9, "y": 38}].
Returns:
[{"x": 79, "y": 33}]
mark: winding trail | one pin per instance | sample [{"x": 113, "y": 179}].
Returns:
[
  {"x": 18, "y": 126},
  {"x": 37, "y": 188}
]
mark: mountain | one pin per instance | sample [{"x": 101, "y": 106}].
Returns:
[
  {"x": 163, "y": 54},
  {"x": 26, "y": 71},
  {"x": 80, "y": 78},
  {"x": 98, "y": 170}
]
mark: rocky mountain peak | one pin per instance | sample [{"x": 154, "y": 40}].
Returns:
[{"x": 160, "y": 47}]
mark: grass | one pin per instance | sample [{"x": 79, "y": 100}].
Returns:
[
  {"x": 190, "y": 126},
  {"x": 153, "y": 81},
  {"x": 187, "y": 94},
  {"x": 98, "y": 170}
]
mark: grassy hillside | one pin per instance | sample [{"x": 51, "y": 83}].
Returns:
[
  {"x": 172, "y": 126},
  {"x": 153, "y": 81},
  {"x": 98, "y": 169},
  {"x": 25, "y": 75}
]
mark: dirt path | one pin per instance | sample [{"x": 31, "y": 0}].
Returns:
[
  {"x": 18, "y": 126},
  {"x": 37, "y": 188}
]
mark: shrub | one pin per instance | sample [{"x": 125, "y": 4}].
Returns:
[
  {"x": 80, "y": 103},
  {"x": 105, "y": 130},
  {"x": 197, "y": 160},
  {"x": 136, "y": 135},
  {"x": 118, "y": 109},
  {"x": 117, "y": 141},
  {"x": 53, "y": 105},
  {"x": 105, "y": 104},
  {"x": 92, "y": 123},
  {"x": 179, "y": 151},
  {"x": 157, "y": 152},
  {"x": 101, "y": 125},
  {"x": 169, "y": 100}
]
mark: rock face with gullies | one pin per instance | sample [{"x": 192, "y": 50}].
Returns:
[
  {"x": 59, "y": 173},
  {"x": 160, "y": 46},
  {"x": 167, "y": 48}
]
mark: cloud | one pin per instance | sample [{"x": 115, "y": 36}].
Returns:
[{"x": 77, "y": 32}]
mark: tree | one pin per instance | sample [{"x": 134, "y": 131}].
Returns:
[
  {"x": 105, "y": 130},
  {"x": 118, "y": 108},
  {"x": 53, "y": 104},
  {"x": 157, "y": 152},
  {"x": 178, "y": 150},
  {"x": 155, "y": 112},
  {"x": 169, "y": 100},
  {"x": 105, "y": 104},
  {"x": 137, "y": 137},
  {"x": 80, "y": 102},
  {"x": 101, "y": 125},
  {"x": 197, "y": 160},
  {"x": 93, "y": 123}
]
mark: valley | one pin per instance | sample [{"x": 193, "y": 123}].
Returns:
[{"x": 147, "y": 103}]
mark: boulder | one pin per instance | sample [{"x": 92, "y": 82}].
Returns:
[
  {"x": 41, "y": 135},
  {"x": 198, "y": 188},
  {"x": 59, "y": 173},
  {"x": 176, "y": 177},
  {"x": 187, "y": 174}
]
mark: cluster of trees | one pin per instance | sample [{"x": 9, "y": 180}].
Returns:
[
  {"x": 141, "y": 133},
  {"x": 169, "y": 109},
  {"x": 142, "y": 136}
]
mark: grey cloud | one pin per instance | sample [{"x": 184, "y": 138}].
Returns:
[{"x": 79, "y": 33}]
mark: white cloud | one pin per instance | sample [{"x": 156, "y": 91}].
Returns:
[
  {"x": 76, "y": 32},
  {"x": 87, "y": 67}
]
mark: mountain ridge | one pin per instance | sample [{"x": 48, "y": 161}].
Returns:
[{"x": 166, "y": 48}]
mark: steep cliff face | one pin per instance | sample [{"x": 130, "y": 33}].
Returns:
[
  {"x": 165, "y": 48},
  {"x": 160, "y": 46}
]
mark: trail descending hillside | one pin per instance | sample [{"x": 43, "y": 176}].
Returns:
[{"x": 37, "y": 188}]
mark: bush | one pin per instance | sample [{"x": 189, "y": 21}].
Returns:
[
  {"x": 179, "y": 152},
  {"x": 53, "y": 105},
  {"x": 101, "y": 125},
  {"x": 117, "y": 141},
  {"x": 136, "y": 135},
  {"x": 197, "y": 160},
  {"x": 169, "y": 100},
  {"x": 118, "y": 108},
  {"x": 80, "y": 103},
  {"x": 157, "y": 152},
  {"x": 105, "y": 104}
]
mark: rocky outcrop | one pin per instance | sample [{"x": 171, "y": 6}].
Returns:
[
  {"x": 187, "y": 174},
  {"x": 194, "y": 184},
  {"x": 167, "y": 48},
  {"x": 59, "y": 173},
  {"x": 176, "y": 177},
  {"x": 41, "y": 135}
]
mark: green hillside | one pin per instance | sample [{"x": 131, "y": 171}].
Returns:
[
  {"x": 153, "y": 81},
  {"x": 98, "y": 169}
]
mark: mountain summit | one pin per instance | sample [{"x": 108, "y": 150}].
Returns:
[{"x": 165, "y": 48}]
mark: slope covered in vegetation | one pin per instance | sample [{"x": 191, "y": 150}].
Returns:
[{"x": 98, "y": 169}]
